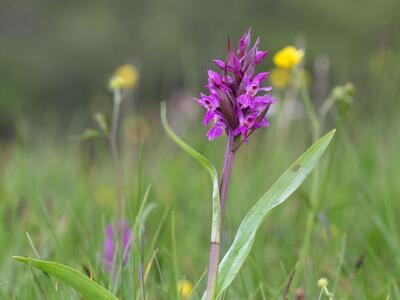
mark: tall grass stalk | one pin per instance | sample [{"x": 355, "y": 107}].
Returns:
[
  {"x": 112, "y": 139},
  {"x": 313, "y": 197}
]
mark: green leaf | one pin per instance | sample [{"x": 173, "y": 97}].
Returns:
[
  {"x": 80, "y": 282},
  {"x": 216, "y": 209},
  {"x": 278, "y": 193}
]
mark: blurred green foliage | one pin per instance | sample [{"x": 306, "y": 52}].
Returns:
[
  {"x": 63, "y": 198},
  {"x": 56, "y": 56}
]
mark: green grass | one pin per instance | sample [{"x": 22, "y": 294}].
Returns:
[{"x": 63, "y": 197}]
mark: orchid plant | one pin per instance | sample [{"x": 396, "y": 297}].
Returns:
[{"x": 237, "y": 105}]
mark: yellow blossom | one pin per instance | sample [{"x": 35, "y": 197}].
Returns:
[
  {"x": 185, "y": 289},
  {"x": 124, "y": 77},
  {"x": 288, "y": 57},
  {"x": 323, "y": 283}
]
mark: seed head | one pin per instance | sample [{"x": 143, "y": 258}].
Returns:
[{"x": 323, "y": 283}]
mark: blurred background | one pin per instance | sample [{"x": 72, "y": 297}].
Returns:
[
  {"x": 56, "y": 60},
  {"x": 56, "y": 57}
]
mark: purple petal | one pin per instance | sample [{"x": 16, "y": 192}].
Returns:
[
  {"x": 215, "y": 131},
  {"x": 241, "y": 130},
  {"x": 265, "y": 99},
  {"x": 266, "y": 88},
  {"x": 109, "y": 246},
  {"x": 263, "y": 123},
  {"x": 244, "y": 41},
  {"x": 260, "y": 55},
  {"x": 219, "y": 63},
  {"x": 244, "y": 100},
  {"x": 214, "y": 77},
  {"x": 122, "y": 237},
  {"x": 208, "y": 102},
  {"x": 260, "y": 77},
  {"x": 233, "y": 62},
  {"x": 126, "y": 233},
  {"x": 252, "y": 89},
  {"x": 209, "y": 115}
]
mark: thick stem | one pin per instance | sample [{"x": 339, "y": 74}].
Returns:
[
  {"x": 213, "y": 263},
  {"x": 215, "y": 248}
]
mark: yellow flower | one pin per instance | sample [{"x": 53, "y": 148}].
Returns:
[
  {"x": 288, "y": 57},
  {"x": 125, "y": 77},
  {"x": 185, "y": 289},
  {"x": 323, "y": 283},
  {"x": 280, "y": 78}
]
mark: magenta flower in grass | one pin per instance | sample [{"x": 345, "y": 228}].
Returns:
[
  {"x": 119, "y": 241},
  {"x": 237, "y": 102}
]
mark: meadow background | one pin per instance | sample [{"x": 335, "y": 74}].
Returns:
[{"x": 55, "y": 62}]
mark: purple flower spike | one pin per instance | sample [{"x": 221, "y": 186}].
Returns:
[
  {"x": 237, "y": 102},
  {"x": 117, "y": 241}
]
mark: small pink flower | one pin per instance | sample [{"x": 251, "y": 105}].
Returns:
[{"x": 120, "y": 241}]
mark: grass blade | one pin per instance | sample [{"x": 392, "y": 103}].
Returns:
[
  {"x": 80, "y": 282},
  {"x": 48, "y": 279}
]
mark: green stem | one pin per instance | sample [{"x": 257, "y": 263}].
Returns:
[
  {"x": 314, "y": 193},
  {"x": 215, "y": 247},
  {"x": 112, "y": 139},
  {"x": 174, "y": 256},
  {"x": 312, "y": 115}
]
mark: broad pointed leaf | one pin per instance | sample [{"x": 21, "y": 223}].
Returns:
[
  {"x": 75, "y": 279},
  {"x": 278, "y": 193}
]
